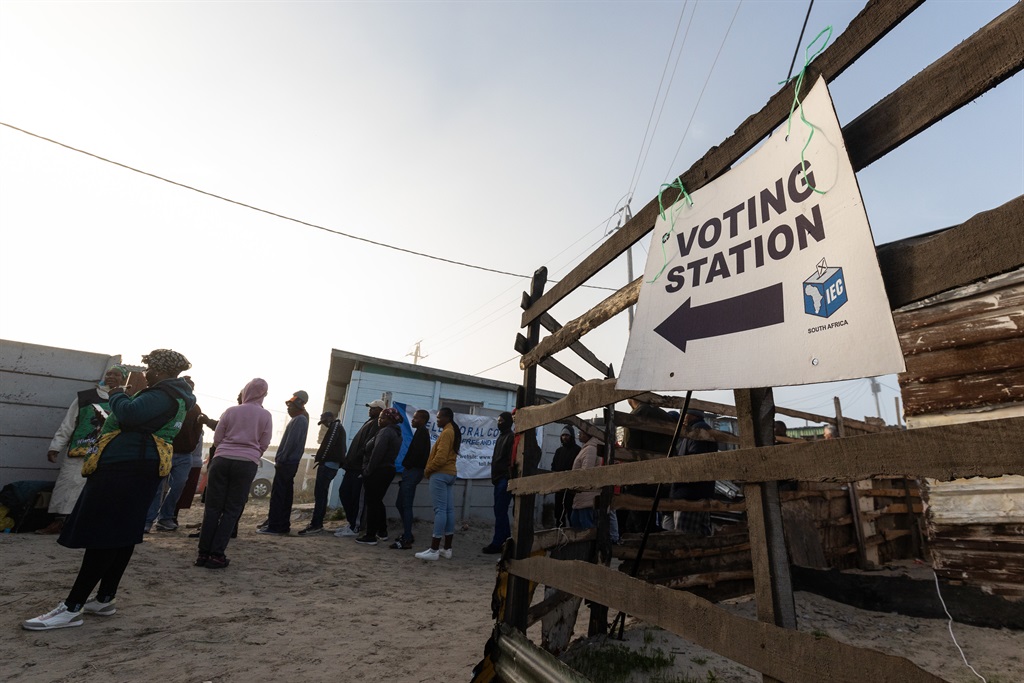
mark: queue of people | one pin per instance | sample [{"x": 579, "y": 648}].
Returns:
[{"x": 133, "y": 457}]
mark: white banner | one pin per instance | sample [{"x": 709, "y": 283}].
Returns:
[
  {"x": 763, "y": 281},
  {"x": 479, "y": 433}
]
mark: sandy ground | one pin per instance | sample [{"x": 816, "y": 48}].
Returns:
[{"x": 328, "y": 609}]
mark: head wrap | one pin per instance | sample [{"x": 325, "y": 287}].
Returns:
[
  {"x": 120, "y": 368},
  {"x": 166, "y": 361},
  {"x": 391, "y": 414},
  {"x": 567, "y": 429}
]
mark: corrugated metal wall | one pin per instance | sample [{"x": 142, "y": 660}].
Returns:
[{"x": 37, "y": 384}]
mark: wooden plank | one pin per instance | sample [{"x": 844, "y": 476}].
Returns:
[
  {"x": 625, "y": 501},
  {"x": 947, "y": 363},
  {"x": 552, "y": 325},
  {"x": 985, "y": 389},
  {"x": 989, "y": 448},
  {"x": 784, "y": 654},
  {"x": 876, "y": 19},
  {"x": 553, "y": 538},
  {"x": 576, "y": 328},
  {"x": 978, "y": 64},
  {"x": 585, "y": 396},
  {"x": 562, "y": 372},
  {"x": 964, "y": 302},
  {"x": 665, "y": 427},
  {"x": 990, "y": 326},
  {"x": 773, "y": 588},
  {"x": 986, "y": 244}
]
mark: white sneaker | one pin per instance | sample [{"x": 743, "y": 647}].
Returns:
[
  {"x": 446, "y": 553},
  {"x": 59, "y": 617},
  {"x": 103, "y": 609},
  {"x": 345, "y": 532},
  {"x": 428, "y": 554}
]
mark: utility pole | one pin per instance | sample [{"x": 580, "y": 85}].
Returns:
[
  {"x": 416, "y": 355},
  {"x": 629, "y": 262},
  {"x": 876, "y": 389}
]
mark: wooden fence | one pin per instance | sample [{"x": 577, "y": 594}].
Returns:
[{"x": 987, "y": 244}]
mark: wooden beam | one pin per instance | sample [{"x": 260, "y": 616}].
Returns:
[
  {"x": 589, "y": 395},
  {"x": 562, "y": 372},
  {"x": 773, "y": 588},
  {"x": 553, "y": 538},
  {"x": 552, "y": 325},
  {"x": 625, "y": 501},
  {"x": 664, "y": 427},
  {"x": 876, "y": 19},
  {"x": 980, "y": 63},
  {"x": 989, "y": 448},
  {"x": 984, "y": 245},
  {"x": 780, "y": 653},
  {"x": 574, "y": 329}
]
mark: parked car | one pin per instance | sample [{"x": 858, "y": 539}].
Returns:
[{"x": 260, "y": 484}]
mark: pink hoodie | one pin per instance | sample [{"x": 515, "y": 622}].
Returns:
[{"x": 243, "y": 432}]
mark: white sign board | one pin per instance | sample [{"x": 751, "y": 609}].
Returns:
[{"x": 763, "y": 281}]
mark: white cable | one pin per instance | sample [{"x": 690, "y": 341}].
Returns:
[{"x": 950, "y": 626}]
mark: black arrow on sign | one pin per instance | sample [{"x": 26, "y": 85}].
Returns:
[{"x": 750, "y": 311}]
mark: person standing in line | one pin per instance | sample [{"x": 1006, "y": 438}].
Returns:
[
  {"x": 562, "y": 462},
  {"x": 501, "y": 472},
  {"x": 131, "y": 454},
  {"x": 76, "y": 434},
  {"x": 241, "y": 437},
  {"x": 327, "y": 463},
  {"x": 378, "y": 473},
  {"x": 164, "y": 507},
  {"x": 441, "y": 471},
  {"x": 698, "y": 523},
  {"x": 351, "y": 489},
  {"x": 286, "y": 465},
  {"x": 583, "y": 513},
  {"x": 413, "y": 464}
]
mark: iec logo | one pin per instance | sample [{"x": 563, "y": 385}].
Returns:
[{"x": 824, "y": 291}]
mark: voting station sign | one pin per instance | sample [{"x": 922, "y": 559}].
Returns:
[{"x": 763, "y": 281}]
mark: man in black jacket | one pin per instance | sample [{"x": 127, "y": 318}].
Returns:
[
  {"x": 413, "y": 463},
  {"x": 327, "y": 462},
  {"x": 694, "y": 522},
  {"x": 501, "y": 471},
  {"x": 352, "y": 482},
  {"x": 562, "y": 462}
]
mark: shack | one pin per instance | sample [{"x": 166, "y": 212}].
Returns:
[{"x": 355, "y": 380}]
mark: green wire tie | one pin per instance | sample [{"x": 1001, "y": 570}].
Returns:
[
  {"x": 678, "y": 182},
  {"x": 798, "y": 103}
]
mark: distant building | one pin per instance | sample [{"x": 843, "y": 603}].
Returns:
[{"x": 354, "y": 380}]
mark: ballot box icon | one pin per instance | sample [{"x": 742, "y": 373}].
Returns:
[{"x": 824, "y": 291}]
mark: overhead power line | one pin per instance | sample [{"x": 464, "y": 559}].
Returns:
[{"x": 279, "y": 215}]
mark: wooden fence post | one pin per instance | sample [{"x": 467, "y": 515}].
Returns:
[
  {"x": 516, "y": 611},
  {"x": 773, "y": 587},
  {"x": 851, "y": 490}
]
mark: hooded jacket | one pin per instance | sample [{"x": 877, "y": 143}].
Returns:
[
  {"x": 501, "y": 459},
  {"x": 386, "y": 444},
  {"x": 586, "y": 459},
  {"x": 244, "y": 431}
]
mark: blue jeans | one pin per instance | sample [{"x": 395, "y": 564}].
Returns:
[
  {"x": 582, "y": 518},
  {"x": 411, "y": 478},
  {"x": 442, "y": 495},
  {"x": 324, "y": 477},
  {"x": 165, "y": 503},
  {"x": 502, "y": 499},
  {"x": 350, "y": 493},
  {"x": 282, "y": 493}
]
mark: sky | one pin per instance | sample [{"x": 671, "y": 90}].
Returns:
[{"x": 500, "y": 134}]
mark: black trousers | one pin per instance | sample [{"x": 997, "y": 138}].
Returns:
[
  {"x": 375, "y": 486},
  {"x": 227, "y": 492},
  {"x": 104, "y": 566},
  {"x": 281, "y": 495}
]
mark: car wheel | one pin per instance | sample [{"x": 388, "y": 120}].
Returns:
[{"x": 260, "y": 488}]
